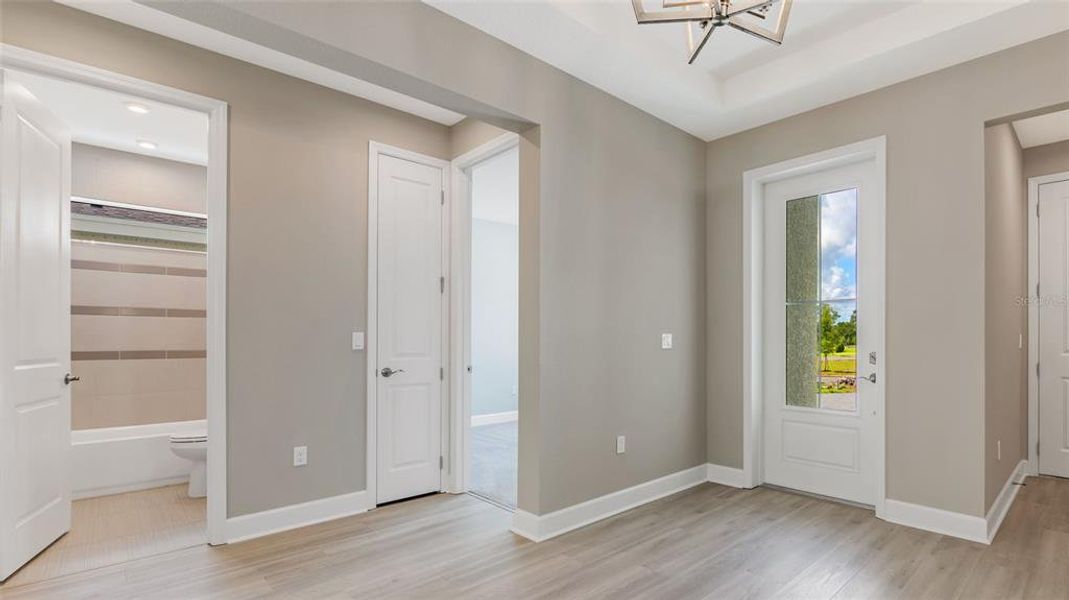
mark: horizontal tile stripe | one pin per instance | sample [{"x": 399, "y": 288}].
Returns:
[
  {"x": 137, "y": 311},
  {"x": 106, "y": 311},
  {"x": 137, "y": 354},
  {"x": 96, "y": 265}
]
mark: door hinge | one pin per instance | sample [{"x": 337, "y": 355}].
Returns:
[
  {"x": 1037, "y": 369},
  {"x": 1037, "y": 210},
  {"x": 441, "y": 463},
  {"x": 1037, "y": 291},
  {"x": 1037, "y": 448},
  {"x": 441, "y": 284},
  {"x": 441, "y": 373},
  {"x": 443, "y": 197}
]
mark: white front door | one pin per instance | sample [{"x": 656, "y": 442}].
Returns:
[
  {"x": 35, "y": 348},
  {"x": 409, "y": 351},
  {"x": 823, "y": 253},
  {"x": 1054, "y": 329}
]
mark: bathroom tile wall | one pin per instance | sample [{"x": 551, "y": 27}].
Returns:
[{"x": 137, "y": 335}]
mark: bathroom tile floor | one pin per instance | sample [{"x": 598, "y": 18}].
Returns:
[{"x": 114, "y": 529}]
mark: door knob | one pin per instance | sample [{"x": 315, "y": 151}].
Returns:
[
  {"x": 388, "y": 371},
  {"x": 871, "y": 378},
  {"x": 68, "y": 378}
]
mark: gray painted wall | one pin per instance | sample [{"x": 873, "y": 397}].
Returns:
[
  {"x": 297, "y": 247},
  {"x": 935, "y": 258},
  {"x": 1046, "y": 159},
  {"x": 1005, "y": 316},
  {"x": 611, "y": 245},
  {"x": 611, "y": 250},
  {"x": 106, "y": 174}
]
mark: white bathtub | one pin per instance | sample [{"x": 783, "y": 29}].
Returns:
[{"x": 112, "y": 460}]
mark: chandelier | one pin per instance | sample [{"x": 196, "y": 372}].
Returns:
[{"x": 702, "y": 17}]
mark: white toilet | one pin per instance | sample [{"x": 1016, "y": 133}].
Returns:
[{"x": 193, "y": 446}]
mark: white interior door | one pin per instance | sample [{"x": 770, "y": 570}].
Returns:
[
  {"x": 1054, "y": 329},
  {"x": 409, "y": 351},
  {"x": 35, "y": 346},
  {"x": 823, "y": 276}
]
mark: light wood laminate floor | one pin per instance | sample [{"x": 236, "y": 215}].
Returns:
[
  {"x": 707, "y": 542},
  {"x": 115, "y": 529}
]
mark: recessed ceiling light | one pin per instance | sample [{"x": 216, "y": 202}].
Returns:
[
  {"x": 134, "y": 107},
  {"x": 147, "y": 145}
]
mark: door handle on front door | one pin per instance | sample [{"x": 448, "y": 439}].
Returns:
[
  {"x": 68, "y": 378},
  {"x": 871, "y": 378},
  {"x": 388, "y": 371}
]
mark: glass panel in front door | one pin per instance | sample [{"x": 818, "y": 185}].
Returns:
[{"x": 821, "y": 301}]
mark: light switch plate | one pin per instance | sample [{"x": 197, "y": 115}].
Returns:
[
  {"x": 358, "y": 340},
  {"x": 666, "y": 341},
  {"x": 621, "y": 444},
  {"x": 300, "y": 456}
]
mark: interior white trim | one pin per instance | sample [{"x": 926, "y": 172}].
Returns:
[
  {"x": 1001, "y": 506},
  {"x": 460, "y": 305},
  {"x": 729, "y": 476},
  {"x": 754, "y": 180},
  {"x": 43, "y": 64},
  {"x": 1033, "y": 315},
  {"x": 945, "y": 522},
  {"x": 508, "y": 416},
  {"x": 539, "y": 528},
  {"x": 375, "y": 150},
  {"x": 159, "y": 22},
  {"x": 247, "y": 527},
  {"x": 113, "y": 460}
]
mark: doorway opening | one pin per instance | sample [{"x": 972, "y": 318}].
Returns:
[
  {"x": 487, "y": 185},
  {"x": 1040, "y": 144},
  {"x": 116, "y": 187}
]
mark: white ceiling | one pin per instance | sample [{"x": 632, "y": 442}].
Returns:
[
  {"x": 1043, "y": 129},
  {"x": 833, "y": 49},
  {"x": 101, "y": 118},
  {"x": 495, "y": 189}
]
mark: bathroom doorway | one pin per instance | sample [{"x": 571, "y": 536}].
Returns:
[
  {"x": 490, "y": 183},
  {"x": 124, "y": 188}
]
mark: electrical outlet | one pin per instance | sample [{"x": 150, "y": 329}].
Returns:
[
  {"x": 621, "y": 444},
  {"x": 666, "y": 341},
  {"x": 300, "y": 456}
]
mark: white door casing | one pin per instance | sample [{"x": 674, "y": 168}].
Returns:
[
  {"x": 35, "y": 503},
  {"x": 409, "y": 357},
  {"x": 1053, "y": 314},
  {"x": 832, "y": 452}
]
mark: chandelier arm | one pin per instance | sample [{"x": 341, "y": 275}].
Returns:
[
  {"x": 774, "y": 36},
  {"x": 709, "y": 29},
  {"x": 737, "y": 7},
  {"x": 645, "y": 17}
]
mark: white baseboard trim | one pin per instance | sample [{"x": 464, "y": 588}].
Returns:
[
  {"x": 937, "y": 520},
  {"x": 543, "y": 527},
  {"x": 247, "y": 527},
  {"x": 729, "y": 476},
  {"x": 959, "y": 525},
  {"x": 113, "y": 460},
  {"x": 495, "y": 418},
  {"x": 1001, "y": 506}
]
